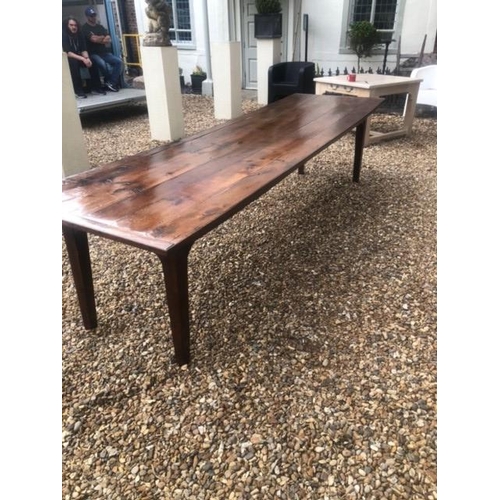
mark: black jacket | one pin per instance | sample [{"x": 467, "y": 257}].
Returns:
[{"x": 74, "y": 43}]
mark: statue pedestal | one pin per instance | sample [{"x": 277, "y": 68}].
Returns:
[
  {"x": 163, "y": 92},
  {"x": 74, "y": 149}
]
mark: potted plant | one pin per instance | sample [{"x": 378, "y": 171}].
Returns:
[
  {"x": 268, "y": 20},
  {"x": 197, "y": 76},
  {"x": 363, "y": 39}
]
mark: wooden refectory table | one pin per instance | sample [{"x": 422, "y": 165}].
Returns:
[
  {"x": 164, "y": 199},
  {"x": 374, "y": 85}
]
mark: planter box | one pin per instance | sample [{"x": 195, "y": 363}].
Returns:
[
  {"x": 196, "y": 83},
  {"x": 268, "y": 26},
  {"x": 385, "y": 36}
]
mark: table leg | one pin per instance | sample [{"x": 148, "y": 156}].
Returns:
[
  {"x": 175, "y": 271},
  {"x": 368, "y": 126},
  {"x": 79, "y": 258},
  {"x": 409, "y": 110},
  {"x": 358, "y": 150}
]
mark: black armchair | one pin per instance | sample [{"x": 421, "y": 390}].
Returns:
[{"x": 288, "y": 78}]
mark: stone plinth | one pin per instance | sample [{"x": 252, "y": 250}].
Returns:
[{"x": 163, "y": 92}]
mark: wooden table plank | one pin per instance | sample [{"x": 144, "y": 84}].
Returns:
[
  {"x": 180, "y": 179},
  {"x": 164, "y": 199}
]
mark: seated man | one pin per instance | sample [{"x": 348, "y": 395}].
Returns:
[
  {"x": 99, "y": 48},
  {"x": 73, "y": 43}
]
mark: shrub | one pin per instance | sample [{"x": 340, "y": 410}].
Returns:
[
  {"x": 363, "y": 38},
  {"x": 268, "y": 6}
]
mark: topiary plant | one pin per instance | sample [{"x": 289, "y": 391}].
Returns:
[
  {"x": 268, "y": 6},
  {"x": 363, "y": 38}
]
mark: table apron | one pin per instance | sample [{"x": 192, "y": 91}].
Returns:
[
  {"x": 401, "y": 88},
  {"x": 371, "y": 137}
]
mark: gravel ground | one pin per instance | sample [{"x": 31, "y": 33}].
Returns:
[{"x": 313, "y": 372}]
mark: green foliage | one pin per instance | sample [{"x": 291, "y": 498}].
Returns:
[
  {"x": 268, "y": 6},
  {"x": 363, "y": 39}
]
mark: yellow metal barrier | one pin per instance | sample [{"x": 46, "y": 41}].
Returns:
[{"x": 136, "y": 39}]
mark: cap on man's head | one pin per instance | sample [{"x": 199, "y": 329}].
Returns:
[{"x": 89, "y": 12}]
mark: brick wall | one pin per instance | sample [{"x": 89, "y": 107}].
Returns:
[{"x": 130, "y": 16}]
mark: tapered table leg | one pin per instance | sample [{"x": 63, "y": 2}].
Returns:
[
  {"x": 410, "y": 107},
  {"x": 175, "y": 271},
  {"x": 358, "y": 150},
  {"x": 79, "y": 258}
]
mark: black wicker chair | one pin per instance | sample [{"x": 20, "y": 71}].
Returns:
[{"x": 288, "y": 78}]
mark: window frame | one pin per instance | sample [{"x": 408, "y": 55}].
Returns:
[
  {"x": 191, "y": 44},
  {"x": 348, "y": 19}
]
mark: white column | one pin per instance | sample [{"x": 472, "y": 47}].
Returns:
[
  {"x": 268, "y": 53},
  {"x": 160, "y": 67},
  {"x": 207, "y": 86},
  {"x": 140, "y": 15},
  {"x": 74, "y": 148},
  {"x": 226, "y": 62}
]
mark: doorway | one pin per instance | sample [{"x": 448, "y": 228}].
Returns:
[{"x": 249, "y": 43}]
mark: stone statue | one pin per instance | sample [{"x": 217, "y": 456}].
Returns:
[{"x": 158, "y": 12}]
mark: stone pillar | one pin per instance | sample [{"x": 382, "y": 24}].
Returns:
[
  {"x": 163, "y": 92},
  {"x": 226, "y": 61},
  {"x": 268, "y": 53},
  {"x": 74, "y": 148}
]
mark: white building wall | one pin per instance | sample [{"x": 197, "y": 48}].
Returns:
[
  {"x": 189, "y": 58},
  {"x": 327, "y": 26},
  {"x": 218, "y": 18},
  {"x": 420, "y": 19},
  {"x": 327, "y": 23}
]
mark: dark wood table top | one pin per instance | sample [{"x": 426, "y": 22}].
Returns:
[{"x": 175, "y": 193}]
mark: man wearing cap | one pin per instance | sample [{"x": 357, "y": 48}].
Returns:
[
  {"x": 73, "y": 43},
  {"x": 99, "y": 49}
]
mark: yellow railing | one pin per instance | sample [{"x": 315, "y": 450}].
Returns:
[{"x": 136, "y": 39}]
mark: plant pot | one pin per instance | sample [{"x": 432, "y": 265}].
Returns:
[
  {"x": 385, "y": 36},
  {"x": 196, "y": 83},
  {"x": 268, "y": 25}
]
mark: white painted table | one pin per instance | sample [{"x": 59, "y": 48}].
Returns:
[{"x": 374, "y": 85}]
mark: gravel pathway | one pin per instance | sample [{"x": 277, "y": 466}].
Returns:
[{"x": 313, "y": 372}]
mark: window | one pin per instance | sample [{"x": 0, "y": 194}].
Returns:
[
  {"x": 385, "y": 15},
  {"x": 180, "y": 32},
  {"x": 381, "y": 13}
]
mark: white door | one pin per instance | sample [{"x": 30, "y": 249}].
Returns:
[{"x": 250, "y": 43}]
